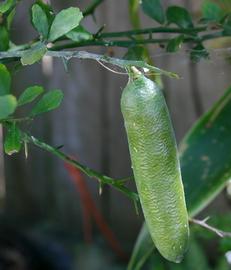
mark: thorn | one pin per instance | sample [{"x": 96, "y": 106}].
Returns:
[
  {"x": 100, "y": 188},
  {"x": 206, "y": 219},
  {"x": 26, "y": 149}
]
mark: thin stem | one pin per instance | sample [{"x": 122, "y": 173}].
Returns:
[
  {"x": 103, "y": 179},
  {"x": 153, "y": 30},
  {"x": 92, "y": 7},
  {"x": 203, "y": 223},
  {"x": 109, "y": 43},
  {"x": 134, "y": 42},
  {"x": 122, "y": 63}
]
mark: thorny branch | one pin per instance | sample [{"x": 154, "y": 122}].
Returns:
[
  {"x": 122, "y": 63},
  {"x": 203, "y": 223},
  {"x": 103, "y": 179}
]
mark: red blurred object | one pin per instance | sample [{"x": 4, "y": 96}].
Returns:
[{"x": 91, "y": 211}]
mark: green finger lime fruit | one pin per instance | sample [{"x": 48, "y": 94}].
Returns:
[{"x": 156, "y": 165}]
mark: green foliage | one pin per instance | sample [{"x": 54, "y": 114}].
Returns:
[
  {"x": 6, "y": 5},
  {"x": 30, "y": 94},
  {"x": 47, "y": 9},
  {"x": 13, "y": 141},
  {"x": 8, "y": 104},
  {"x": 154, "y": 9},
  {"x": 48, "y": 102},
  {"x": 179, "y": 16},
  {"x": 40, "y": 20},
  {"x": 65, "y": 21},
  {"x": 33, "y": 55},
  {"x": 211, "y": 11},
  {"x": 5, "y": 80}
]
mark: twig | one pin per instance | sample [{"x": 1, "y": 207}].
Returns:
[
  {"x": 153, "y": 30},
  {"x": 97, "y": 57},
  {"x": 120, "y": 43},
  {"x": 103, "y": 179},
  {"x": 203, "y": 223}
]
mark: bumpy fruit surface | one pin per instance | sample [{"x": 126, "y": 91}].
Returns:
[{"x": 156, "y": 165}]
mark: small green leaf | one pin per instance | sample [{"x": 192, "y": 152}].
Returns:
[
  {"x": 154, "y": 9},
  {"x": 4, "y": 38},
  {"x": 6, "y": 5},
  {"x": 12, "y": 143},
  {"x": 39, "y": 20},
  {"x": 8, "y": 104},
  {"x": 5, "y": 80},
  {"x": 34, "y": 54},
  {"x": 64, "y": 22},
  {"x": 48, "y": 102},
  {"x": 79, "y": 34},
  {"x": 175, "y": 44},
  {"x": 30, "y": 94},
  {"x": 179, "y": 16},
  {"x": 199, "y": 52},
  {"x": 211, "y": 11}
]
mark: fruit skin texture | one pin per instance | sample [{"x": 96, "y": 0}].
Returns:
[{"x": 156, "y": 165}]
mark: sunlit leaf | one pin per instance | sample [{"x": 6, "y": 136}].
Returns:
[
  {"x": 64, "y": 22},
  {"x": 8, "y": 104}
]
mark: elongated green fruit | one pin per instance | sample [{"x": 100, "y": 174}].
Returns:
[{"x": 156, "y": 165}]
